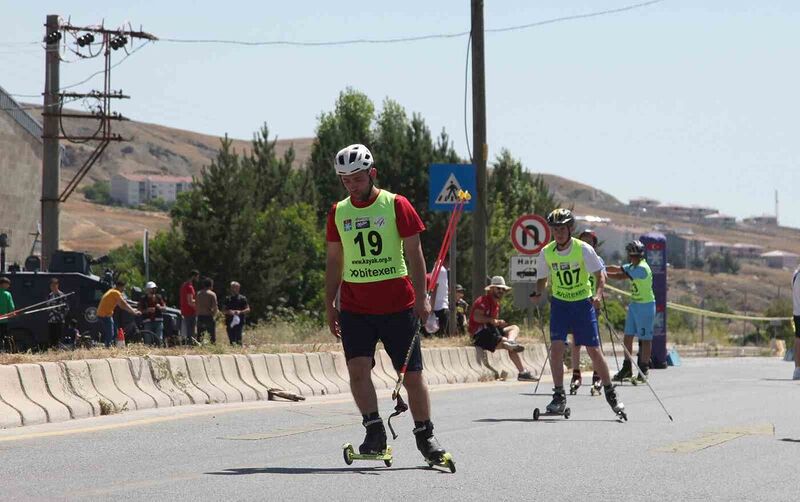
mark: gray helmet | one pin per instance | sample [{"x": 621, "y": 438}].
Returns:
[
  {"x": 635, "y": 248},
  {"x": 559, "y": 217}
]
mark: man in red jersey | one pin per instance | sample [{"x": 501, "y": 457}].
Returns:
[
  {"x": 368, "y": 236},
  {"x": 188, "y": 303}
]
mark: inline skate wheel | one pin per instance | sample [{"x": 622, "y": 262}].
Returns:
[{"x": 536, "y": 413}]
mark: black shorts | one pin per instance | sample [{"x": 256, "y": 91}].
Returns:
[
  {"x": 797, "y": 326},
  {"x": 361, "y": 332},
  {"x": 488, "y": 338}
]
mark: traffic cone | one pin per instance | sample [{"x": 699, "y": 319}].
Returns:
[{"x": 120, "y": 337}]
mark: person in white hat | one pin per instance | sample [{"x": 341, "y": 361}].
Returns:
[
  {"x": 489, "y": 332},
  {"x": 152, "y": 306}
]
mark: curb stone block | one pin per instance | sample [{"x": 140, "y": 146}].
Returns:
[
  {"x": 100, "y": 373},
  {"x": 198, "y": 376},
  {"x": 290, "y": 374},
  {"x": 143, "y": 378},
  {"x": 303, "y": 371},
  {"x": 231, "y": 375},
  {"x": 245, "y": 368},
  {"x": 13, "y": 395},
  {"x": 315, "y": 365},
  {"x": 55, "y": 376},
  {"x": 121, "y": 372},
  {"x": 33, "y": 383}
]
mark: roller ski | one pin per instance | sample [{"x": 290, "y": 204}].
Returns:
[
  {"x": 641, "y": 378},
  {"x": 597, "y": 385},
  {"x": 434, "y": 454},
  {"x": 611, "y": 399},
  {"x": 374, "y": 446},
  {"x": 556, "y": 408},
  {"x": 625, "y": 374},
  {"x": 575, "y": 384}
]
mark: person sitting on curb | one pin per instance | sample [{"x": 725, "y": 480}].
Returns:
[
  {"x": 152, "y": 306},
  {"x": 489, "y": 332}
]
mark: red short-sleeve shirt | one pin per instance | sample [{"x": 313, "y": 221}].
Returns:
[
  {"x": 488, "y": 306},
  {"x": 187, "y": 288},
  {"x": 382, "y": 297}
]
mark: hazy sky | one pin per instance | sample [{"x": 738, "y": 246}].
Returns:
[{"x": 686, "y": 101}]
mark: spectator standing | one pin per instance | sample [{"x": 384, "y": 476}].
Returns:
[
  {"x": 6, "y": 305},
  {"x": 152, "y": 306},
  {"x": 112, "y": 299},
  {"x": 236, "y": 310},
  {"x": 188, "y": 304},
  {"x": 207, "y": 310},
  {"x": 55, "y": 317},
  {"x": 441, "y": 298}
]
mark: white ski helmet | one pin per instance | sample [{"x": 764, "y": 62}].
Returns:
[{"x": 352, "y": 159}]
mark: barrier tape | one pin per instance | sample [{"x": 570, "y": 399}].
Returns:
[{"x": 705, "y": 313}]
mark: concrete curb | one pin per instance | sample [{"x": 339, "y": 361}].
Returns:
[
  {"x": 55, "y": 376},
  {"x": 290, "y": 374},
  {"x": 329, "y": 369},
  {"x": 81, "y": 383},
  {"x": 197, "y": 374},
  {"x": 230, "y": 372},
  {"x": 100, "y": 373},
  {"x": 270, "y": 379},
  {"x": 32, "y": 379},
  {"x": 172, "y": 378},
  {"x": 315, "y": 365},
  {"x": 143, "y": 378},
  {"x": 53, "y": 392},
  {"x": 12, "y": 394},
  {"x": 123, "y": 377},
  {"x": 248, "y": 377}
]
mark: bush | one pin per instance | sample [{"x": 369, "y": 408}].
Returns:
[{"x": 98, "y": 192}]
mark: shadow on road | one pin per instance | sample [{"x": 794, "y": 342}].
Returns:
[
  {"x": 526, "y": 420},
  {"x": 245, "y": 471},
  {"x": 790, "y": 440},
  {"x": 777, "y": 380}
]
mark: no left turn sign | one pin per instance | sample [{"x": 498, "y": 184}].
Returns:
[{"x": 530, "y": 233}]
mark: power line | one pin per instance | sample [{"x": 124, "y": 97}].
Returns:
[{"x": 435, "y": 36}]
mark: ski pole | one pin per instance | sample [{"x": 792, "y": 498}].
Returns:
[
  {"x": 646, "y": 380},
  {"x": 20, "y": 311},
  {"x": 547, "y": 347}
]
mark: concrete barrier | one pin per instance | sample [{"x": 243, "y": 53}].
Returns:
[
  {"x": 143, "y": 378},
  {"x": 432, "y": 376},
  {"x": 12, "y": 394},
  {"x": 443, "y": 366},
  {"x": 303, "y": 372},
  {"x": 329, "y": 369},
  {"x": 100, "y": 373},
  {"x": 340, "y": 364},
  {"x": 265, "y": 377},
  {"x": 290, "y": 374},
  {"x": 315, "y": 365},
  {"x": 9, "y": 417},
  {"x": 32, "y": 379},
  {"x": 217, "y": 379},
  {"x": 231, "y": 375},
  {"x": 123, "y": 378},
  {"x": 388, "y": 368},
  {"x": 461, "y": 354},
  {"x": 275, "y": 372},
  {"x": 81, "y": 384},
  {"x": 197, "y": 375},
  {"x": 172, "y": 377},
  {"x": 462, "y": 374},
  {"x": 247, "y": 375},
  {"x": 475, "y": 361},
  {"x": 55, "y": 376}
]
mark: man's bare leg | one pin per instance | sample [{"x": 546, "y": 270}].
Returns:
[
  {"x": 360, "y": 370},
  {"x": 419, "y": 400}
]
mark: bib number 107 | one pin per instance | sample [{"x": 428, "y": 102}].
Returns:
[
  {"x": 374, "y": 242},
  {"x": 568, "y": 277}
]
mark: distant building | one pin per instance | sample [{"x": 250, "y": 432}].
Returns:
[
  {"x": 613, "y": 239},
  {"x": 781, "y": 259},
  {"x": 684, "y": 212},
  {"x": 762, "y": 221},
  {"x": 743, "y": 250},
  {"x": 135, "y": 189},
  {"x": 683, "y": 249},
  {"x": 643, "y": 203},
  {"x": 720, "y": 220}
]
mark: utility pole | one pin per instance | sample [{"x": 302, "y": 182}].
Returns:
[
  {"x": 479, "y": 149},
  {"x": 53, "y": 114},
  {"x": 51, "y": 155}
]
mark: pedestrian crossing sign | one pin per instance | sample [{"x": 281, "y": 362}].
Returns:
[{"x": 446, "y": 181}]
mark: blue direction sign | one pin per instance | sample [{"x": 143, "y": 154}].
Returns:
[{"x": 444, "y": 182}]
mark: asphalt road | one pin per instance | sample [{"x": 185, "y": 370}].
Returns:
[{"x": 736, "y": 436}]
